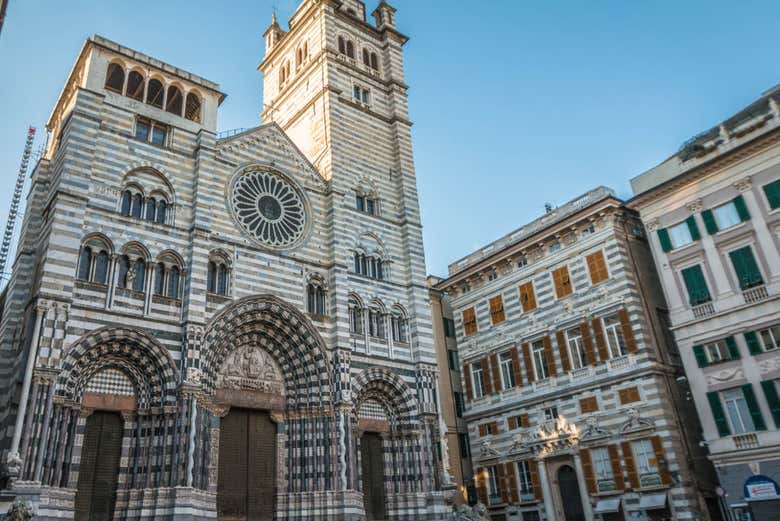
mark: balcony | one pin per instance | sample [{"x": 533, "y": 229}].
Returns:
[
  {"x": 582, "y": 372},
  {"x": 755, "y": 294},
  {"x": 703, "y": 310},
  {"x": 619, "y": 363},
  {"x": 746, "y": 441}
]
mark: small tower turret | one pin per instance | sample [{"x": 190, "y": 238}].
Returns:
[
  {"x": 384, "y": 14},
  {"x": 273, "y": 35}
]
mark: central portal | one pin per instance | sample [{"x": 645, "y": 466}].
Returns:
[
  {"x": 246, "y": 489},
  {"x": 373, "y": 467}
]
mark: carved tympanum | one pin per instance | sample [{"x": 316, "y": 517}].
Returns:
[{"x": 251, "y": 368}]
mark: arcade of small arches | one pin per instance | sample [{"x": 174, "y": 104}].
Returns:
[
  {"x": 373, "y": 320},
  {"x": 369, "y": 56},
  {"x": 151, "y": 90}
]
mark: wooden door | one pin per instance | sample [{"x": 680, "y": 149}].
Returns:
[
  {"x": 373, "y": 470},
  {"x": 246, "y": 489},
  {"x": 570, "y": 494},
  {"x": 99, "y": 468}
]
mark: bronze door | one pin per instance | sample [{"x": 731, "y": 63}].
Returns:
[
  {"x": 246, "y": 489},
  {"x": 373, "y": 467},
  {"x": 100, "y": 453}
]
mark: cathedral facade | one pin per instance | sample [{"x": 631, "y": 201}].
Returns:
[{"x": 234, "y": 327}]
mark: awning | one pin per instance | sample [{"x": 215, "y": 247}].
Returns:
[
  {"x": 606, "y": 506},
  {"x": 652, "y": 501}
]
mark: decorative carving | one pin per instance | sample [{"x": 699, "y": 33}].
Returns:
[
  {"x": 20, "y": 510},
  {"x": 635, "y": 422},
  {"x": 724, "y": 375},
  {"x": 695, "y": 206},
  {"x": 251, "y": 368},
  {"x": 744, "y": 184},
  {"x": 651, "y": 226}
]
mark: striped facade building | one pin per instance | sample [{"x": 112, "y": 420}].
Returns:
[
  {"x": 573, "y": 404},
  {"x": 228, "y": 327}
]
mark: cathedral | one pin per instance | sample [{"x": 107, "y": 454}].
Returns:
[{"x": 226, "y": 326}]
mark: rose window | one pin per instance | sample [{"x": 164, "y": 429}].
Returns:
[{"x": 269, "y": 208}]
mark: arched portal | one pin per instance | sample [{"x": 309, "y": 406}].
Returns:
[{"x": 266, "y": 379}]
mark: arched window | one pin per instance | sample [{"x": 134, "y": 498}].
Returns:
[
  {"x": 155, "y": 93},
  {"x": 369, "y": 266},
  {"x": 222, "y": 280},
  {"x": 159, "y": 279},
  {"x": 298, "y": 57},
  {"x": 350, "y": 49},
  {"x": 93, "y": 261},
  {"x": 115, "y": 78},
  {"x": 400, "y": 326},
  {"x": 162, "y": 210},
  {"x": 138, "y": 206},
  {"x": 342, "y": 45},
  {"x": 139, "y": 275},
  {"x": 192, "y": 107},
  {"x": 366, "y": 58},
  {"x": 355, "y": 316},
  {"x": 101, "y": 268},
  {"x": 374, "y": 61},
  {"x": 124, "y": 268},
  {"x": 218, "y": 274},
  {"x": 211, "y": 277},
  {"x": 376, "y": 322},
  {"x": 174, "y": 101},
  {"x": 127, "y": 200},
  {"x": 151, "y": 206},
  {"x": 315, "y": 299},
  {"x": 135, "y": 86},
  {"x": 167, "y": 276},
  {"x": 174, "y": 276},
  {"x": 85, "y": 263}
]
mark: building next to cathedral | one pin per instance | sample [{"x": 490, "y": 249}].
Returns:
[
  {"x": 713, "y": 209},
  {"x": 573, "y": 404},
  {"x": 204, "y": 327}
]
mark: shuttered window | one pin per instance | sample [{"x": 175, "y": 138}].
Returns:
[
  {"x": 589, "y": 404},
  {"x": 718, "y": 414},
  {"x": 679, "y": 235},
  {"x": 505, "y": 362},
  {"x": 629, "y": 395},
  {"x": 562, "y": 282},
  {"x": 524, "y": 478},
  {"x": 497, "y": 310},
  {"x": 518, "y": 422},
  {"x": 597, "y": 267},
  {"x": 587, "y": 470},
  {"x": 616, "y": 466},
  {"x": 698, "y": 293},
  {"x": 773, "y": 399},
  {"x": 602, "y": 468},
  {"x": 549, "y": 356},
  {"x": 587, "y": 341},
  {"x": 469, "y": 321},
  {"x": 726, "y": 215},
  {"x": 772, "y": 192},
  {"x": 527, "y": 297},
  {"x": 716, "y": 352},
  {"x": 477, "y": 380},
  {"x": 746, "y": 268}
]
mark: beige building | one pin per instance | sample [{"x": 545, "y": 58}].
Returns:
[
  {"x": 451, "y": 394},
  {"x": 573, "y": 407},
  {"x": 713, "y": 213}
]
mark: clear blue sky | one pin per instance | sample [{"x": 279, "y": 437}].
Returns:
[{"x": 515, "y": 103}]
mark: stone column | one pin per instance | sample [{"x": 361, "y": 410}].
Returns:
[
  {"x": 587, "y": 508},
  {"x": 547, "y": 496}
]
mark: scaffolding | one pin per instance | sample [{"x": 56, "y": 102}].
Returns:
[{"x": 15, "y": 200}]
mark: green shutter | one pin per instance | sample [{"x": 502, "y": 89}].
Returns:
[
  {"x": 754, "y": 346},
  {"x": 746, "y": 268},
  {"x": 666, "y": 242},
  {"x": 720, "y": 416},
  {"x": 691, "y": 222},
  {"x": 709, "y": 222},
  {"x": 742, "y": 211},
  {"x": 701, "y": 356},
  {"x": 772, "y": 191},
  {"x": 731, "y": 344},
  {"x": 772, "y": 398},
  {"x": 755, "y": 410},
  {"x": 696, "y": 285}
]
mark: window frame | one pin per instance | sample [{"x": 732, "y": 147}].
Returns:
[
  {"x": 506, "y": 370},
  {"x": 682, "y": 225},
  {"x": 477, "y": 379},
  {"x": 735, "y": 214},
  {"x": 525, "y": 482},
  {"x": 614, "y": 333},
  {"x": 736, "y": 395},
  {"x": 531, "y": 297},
  {"x": 539, "y": 357},
  {"x": 561, "y": 277},
  {"x": 581, "y": 356}
]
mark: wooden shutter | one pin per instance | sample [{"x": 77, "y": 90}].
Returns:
[
  {"x": 755, "y": 410},
  {"x": 772, "y": 192},
  {"x": 562, "y": 282},
  {"x": 533, "y": 467},
  {"x": 486, "y": 381},
  {"x": 718, "y": 414},
  {"x": 601, "y": 341},
  {"x": 742, "y": 210},
  {"x": 587, "y": 342},
  {"x": 746, "y": 268},
  {"x": 482, "y": 430},
  {"x": 589, "y": 404},
  {"x": 754, "y": 346},
  {"x": 481, "y": 478},
  {"x": 698, "y": 293},
  {"x": 467, "y": 378},
  {"x": 628, "y": 457},
  {"x": 629, "y": 395},
  {"x": 529, "y": 368},
  {"x": 511, "y": 481},
  {"x": 709, "y": 222},
  {"x": 548, "y": 355},
  {"x": 701, "y": 356},
  {"x": 587, "y": 469},
  {"x": 691, "y": 222},
  {"x": 496, "y": 373},
  {"x": 731, "y": 344},
  {"x": 525, "y": 421},
  {"x": 497, "y": 310},
  {"x": 628, "y": 332},
  {"x": 502, "y": 485},
  {"x": 663, "y": 238},
  {"x": 772, "y": 399},
  {"x": 660, "y": 459},
  {"x": 617, "y": 467},
  {"x": 512, "y": 422},
  {"x": 527, "y": 297},
  {"x": 469, "y": 321},
  {"x": 597, "y": 267},
  {"x": 518, "y": 373},
  {"x": 495, "y": 428},
  {"x": 560, "y": 337}
]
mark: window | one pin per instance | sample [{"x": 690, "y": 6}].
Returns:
[
  {"x": 488, "y": 429},
  {"x": 772, "y": 192},
  {"x": 115, "y": 78},
  {"x": 465, "y": 449},
  {"x": 452, "y": 359},
  {"x": 174, "y": 103},
  {"x": 613, "y": 330},
  {"x": 588, "y": 230},
  {"x": 589, "y": 404},
  {"x": 370, "y": 59},
  {"x": 458, "y": 404},
  {"x": 493, "y": 488},
  {"x": 628, "y": 395},
  {"x": 497, "y": 310},
  {"x": 524, "y": 481},
  {"x": 167, "y": 276},
  {"x": 746, "y": 268},
  {"x": 93, "y": 262},
  {"x": 400, "y": 327},
  {"x": 739, "y": 416},
  {"x": 315, "y": 299},
  {"x": 577, "y": 354},
  {"x": 527, "y": 297},
  {"x": 696, "y": 285},
  {"x": 355, "y": 317},
  {"x": 522, "y": 262},
  {"x": 135, "y": 86},
  {"x": 717, "y": 352},
  {"x": 507, "y": 373},
  {"x": 477, "y": 381},
  {"x": 555, "y": 246},
  {"x": 154, "y": 93},
  {"x": 376, "y": 323},
  {"x": 124, "y": 269},
  {"x": 361, "y": 95},
  {"x": 562, "y": 282},
  {"x": 218, "y": 276},
  {"x": 366, "y": 204},
  {"x": 369, "y": 266},
  {"x": 449, "y": 327},
  {"x": 469, "y": 321},
  {"x": 192, "y": 107},
  {"x": 770, "y": 338},
  {"x": 602, "y": 465},
  {"x": 597, "y": 267},
  {"x": 679, "y": 235},
  {"x": 151, "y": 131},
  {"x": 726, "y": 216},
  {"x": 85, "y": 263},
  {"x": 551, "y": 413},
  {"x": 644, "y": 456},
  {"x": 540, "y": 360}
]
